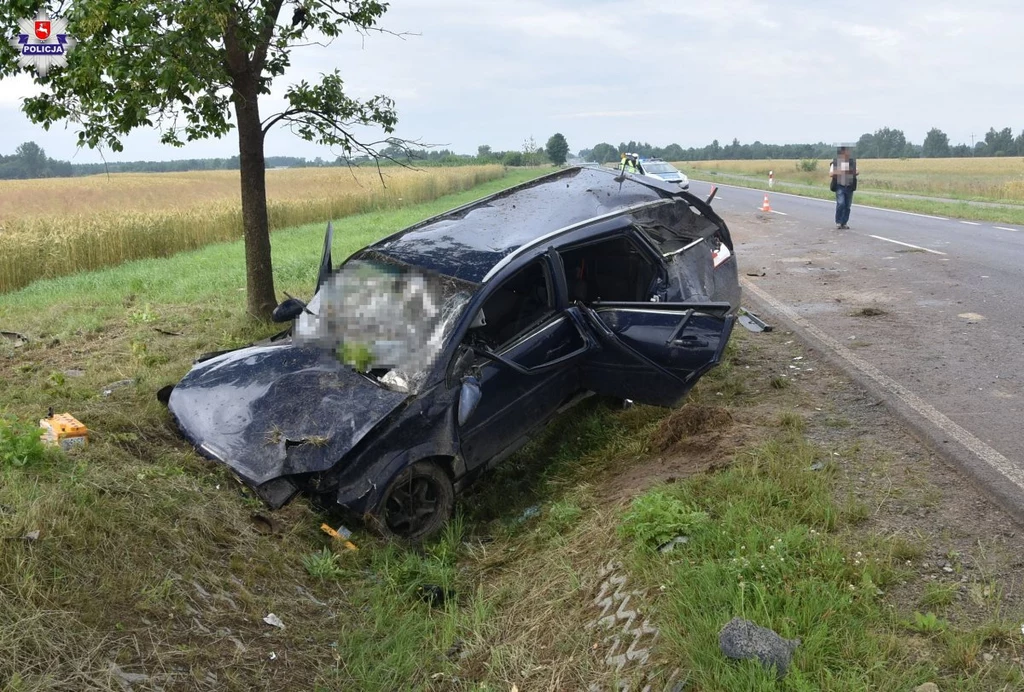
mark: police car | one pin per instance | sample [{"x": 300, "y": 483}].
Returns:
[{"x": 663, "y": 170}]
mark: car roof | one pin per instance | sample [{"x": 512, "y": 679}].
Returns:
[{"x": 469, "y": 242}]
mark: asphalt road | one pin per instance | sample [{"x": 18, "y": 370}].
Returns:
[{"x": 947, "y": 352}]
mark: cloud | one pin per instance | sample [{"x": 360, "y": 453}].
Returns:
[
  {"x": 496, "y": 72},
  {"x": 610, "y": 114}
]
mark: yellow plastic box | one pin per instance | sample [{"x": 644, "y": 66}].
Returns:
[{"x": 65, "y": 431}]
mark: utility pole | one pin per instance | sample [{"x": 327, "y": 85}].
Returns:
[{"x": 972, "y": 144}]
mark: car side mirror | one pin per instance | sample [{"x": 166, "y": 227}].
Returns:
[
  {"x": 288, "y": 310},
  {"x": 469, "y": 398}
]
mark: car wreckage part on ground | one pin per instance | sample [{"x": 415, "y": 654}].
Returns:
[
  {"x": 341, "y": 535},
  {"x": 430, "y": 356},
  {"x": 63, "y": 430},
  {"x": 752, "y": 322}
]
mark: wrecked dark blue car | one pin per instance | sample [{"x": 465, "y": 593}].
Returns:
[{"x": 433, "y": 354}]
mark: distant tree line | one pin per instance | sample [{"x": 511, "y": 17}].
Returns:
[
  {"x": 884, "y": 143},
  {"x": 30, "y": 161},
  {"x": 530, "y": 154}
]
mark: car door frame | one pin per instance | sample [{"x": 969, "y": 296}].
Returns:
[
  {"x": 547, "y": 370},
  {"x": 653, "y": 381}
]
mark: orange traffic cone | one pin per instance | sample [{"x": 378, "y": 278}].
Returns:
[{"x": 765, "y": 206}]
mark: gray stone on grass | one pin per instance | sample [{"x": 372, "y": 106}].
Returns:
[{"x": 742, "y": 640}]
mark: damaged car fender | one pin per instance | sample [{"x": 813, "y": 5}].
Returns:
[
  {"x": 279, "y": 410},
  {"x": 358, "y": 485}
]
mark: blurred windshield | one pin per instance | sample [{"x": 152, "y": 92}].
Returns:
[
  {"x": 658, "y": 167},
  {"x": 384, "y": 318}
]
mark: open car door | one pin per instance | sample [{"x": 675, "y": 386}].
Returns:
[{"x": 654, "y": 353}]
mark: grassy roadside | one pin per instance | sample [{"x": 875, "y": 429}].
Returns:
[
  {"x": 154, "y": 568},
  {"x": 956, "y": 210}
]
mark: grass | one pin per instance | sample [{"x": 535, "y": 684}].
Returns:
[
  {"x": 773, "y": 546},
  {"x": 980, "y": 180},
  {"x": 153, "y": 562},
  {"x": 61, "y": 226}
]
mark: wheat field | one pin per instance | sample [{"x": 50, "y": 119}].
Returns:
[
  {"x": 59, "y": 226},
  {"x": 996, "y": 179}
]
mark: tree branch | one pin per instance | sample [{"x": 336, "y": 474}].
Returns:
[
  {"x": 272, "y": 120},
  {"x": 259, "y": 56}
]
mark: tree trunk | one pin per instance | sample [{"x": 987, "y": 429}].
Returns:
[{"x": 259, "y": 275}]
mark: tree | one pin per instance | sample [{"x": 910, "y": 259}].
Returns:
[
  {"x": 483, "y": 152},
  {"x": 866, "y": 147},
  {"x": 673, "y": 152},
  {"x": 889, "y": 144},
  {"x": 999, "y": 143},
  {"x": 604, "y": 153},
  {"x": 32, "y": 159},
  {"x": 196, "y": 69},
  {"x": 936, "y": 144},
  {"x": 557, "y": 149}
]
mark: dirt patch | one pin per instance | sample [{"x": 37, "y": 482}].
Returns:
[
  {"x": 868, "y": 312},
  {"x": 691, "y": 419},
  {"x": 713, "y": 445}
]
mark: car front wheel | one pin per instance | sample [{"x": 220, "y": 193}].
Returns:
[{"x": 417, "y": 503}]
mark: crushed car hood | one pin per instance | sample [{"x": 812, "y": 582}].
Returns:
[{"x": 272, "y": 411}]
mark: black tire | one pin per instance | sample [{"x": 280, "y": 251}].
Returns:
[{"x": 417, "y": 503}]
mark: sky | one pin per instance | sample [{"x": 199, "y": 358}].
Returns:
[{"x": 488, "y": 72}]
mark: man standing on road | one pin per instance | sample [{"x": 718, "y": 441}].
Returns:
[{"x": 843, "y": 171}]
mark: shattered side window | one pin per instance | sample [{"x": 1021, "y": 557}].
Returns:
[
  {"x": 673, "y": 227},
  {"x": 385, "y": 318}
]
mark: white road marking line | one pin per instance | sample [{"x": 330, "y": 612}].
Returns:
[
  {"x": 780, "y": 213},
  {"x": 897, "y": 211},
  {"x": 984, "y": 452},
  {"x": 787, "y": 194},
  {"x": 916, "y": 247},
  {"x": 1004, "y": 228},
  {"x": 971, "y": 223}
]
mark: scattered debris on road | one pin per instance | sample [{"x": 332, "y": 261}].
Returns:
[
  {"x": 435, "y": 595},
  {"x": 114, "y": 386},
  {"x": 669, "y": 546},
  {"x": 342, "y": 535},
  {"x": 752, "y": 322},
  {"x": 63, "y": 430},
  {"x": 14, "y": 337},
  {"x": 127, "y": 679}
]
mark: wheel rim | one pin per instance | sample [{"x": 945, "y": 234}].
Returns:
[{"x": 413, "y": 506}]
